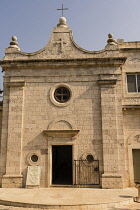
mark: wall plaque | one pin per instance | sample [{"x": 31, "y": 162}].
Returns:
[{"x": 33, "y": 176}]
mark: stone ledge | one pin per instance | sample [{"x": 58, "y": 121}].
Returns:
[
  {"x": 16, "y": 84},
  {"x": 107, "y": 82},
  {"x": 12, "y": 181},
  {"x": 130, "y": 107},
  {"x": 111, "y": 175},
  {"x": 61, "y": 133},
  {"x": 66, "y": 198},
  {"x": 63, "y": 63},
  {"x": 12, "y": 176}
]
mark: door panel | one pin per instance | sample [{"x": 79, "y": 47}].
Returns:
[{"x": 136, "y": 164}]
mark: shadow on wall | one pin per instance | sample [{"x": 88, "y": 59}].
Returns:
[{"x": 37, "y": 146}]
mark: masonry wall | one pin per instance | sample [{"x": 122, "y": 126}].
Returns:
[
  {"x": 131, "y": 121},
  {"x": 100, "y": 109},
  {"x": 1, "y": 165},
  {"x": 84, "y": 111},
  {"x": 31, "y": 112},
  {"x": 131, "y": 113},
  {"x": 0, "y": 121}
]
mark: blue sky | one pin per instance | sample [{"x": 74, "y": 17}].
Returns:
[{"x": 90, "y": 20}]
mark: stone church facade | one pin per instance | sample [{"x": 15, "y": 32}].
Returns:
[{"x": 75, "y": 113}]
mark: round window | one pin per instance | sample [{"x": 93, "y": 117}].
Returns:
[
  {"x": 90, "y": 158},
  {"x": 62, "y": 94},
  {"x": 34, "y": 158}
]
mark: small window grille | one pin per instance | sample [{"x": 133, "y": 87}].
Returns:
[
  {"x": 34, "y": 158},
  {"x": 62, "y": 94},
  {"x": 90, "y": 158}
]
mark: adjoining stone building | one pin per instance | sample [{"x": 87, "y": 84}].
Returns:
[{"x": 75, "y": 113}]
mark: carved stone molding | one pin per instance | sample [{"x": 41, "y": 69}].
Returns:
[
  {"x": 61, "y": 133},
  {"x": 70, "y": 122},
  {"x": 107, "y": 82},
  {"x": 137, "y": 139},
  {"x": 16, "y": 84},
  {"x": 134, "y": 138}
]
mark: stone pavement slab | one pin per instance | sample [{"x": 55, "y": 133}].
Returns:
[
  {"x": 134, "y": 206},
  {"x": 66, "y": 198}
]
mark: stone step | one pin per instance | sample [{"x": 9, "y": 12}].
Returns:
[
  {"x": 66, "y": 199},
  {"x": 134, "y": 206},
  {"x": 96, "y": 206}
]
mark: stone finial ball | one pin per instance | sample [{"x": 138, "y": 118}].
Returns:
[
  {"x": 110, "y": 35},
  {"x": 14, "y": 38},
  {"x": 62, "y": 20}
]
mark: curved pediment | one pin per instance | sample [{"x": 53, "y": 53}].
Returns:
[
  {"x": 60, "y": 46},
  {"x": 61, "y": 128}
]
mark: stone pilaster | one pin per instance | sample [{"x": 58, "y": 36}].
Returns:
[
  {"x": 13, "y": 177},
  {"x": 111, "y": 177}
]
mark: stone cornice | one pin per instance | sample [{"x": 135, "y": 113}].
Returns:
[
  {"x": 134, "y": 106},
  {"x": 60, "y": 63},
  {"x": 134, "y": 49}
]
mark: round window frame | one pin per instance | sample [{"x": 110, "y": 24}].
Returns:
[
  {"x": 85, "y": 160},
  {"x": 59, "y": 97},
  {"x": 29, "y": 160},
  {"x": 34, "y": 156},
  {"x": 54, "y": 101},
  {"x": 88, "y": 158}
]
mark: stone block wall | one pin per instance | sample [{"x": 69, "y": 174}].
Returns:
[
  {"x": 101, "y": 117},
  {"x": 131, "y": 121},
  {"x": 1, "y": 165},
  {"x": 0, "y": 121},
  {"x": 94, "y": 109},
  {"x": 131, "y": 114},
  {"x": 39, "y": 112}
]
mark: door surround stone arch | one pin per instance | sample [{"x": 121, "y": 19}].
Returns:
[{"x": 56, "y": 135}]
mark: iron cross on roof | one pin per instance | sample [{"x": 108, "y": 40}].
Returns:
[{"x": 63, "y": 9}]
